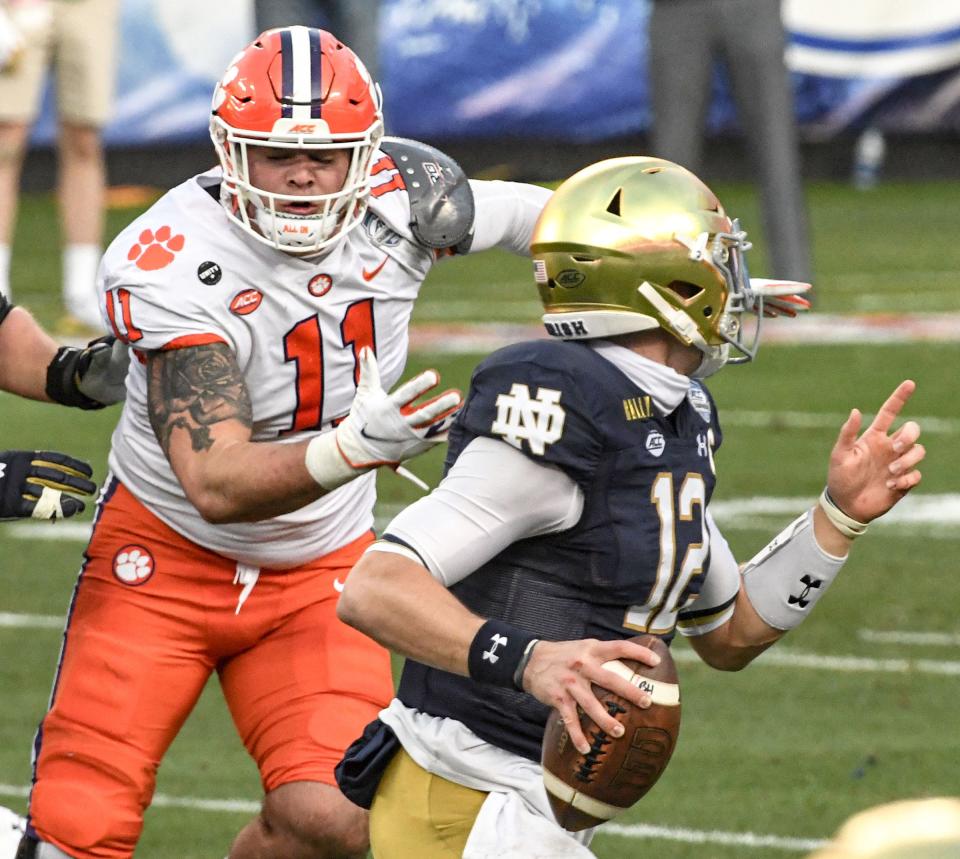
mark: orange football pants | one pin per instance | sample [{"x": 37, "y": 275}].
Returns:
[{"x": 153, "y": 615}]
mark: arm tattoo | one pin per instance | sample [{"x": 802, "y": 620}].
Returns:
[{"x": 195, "y": 388}]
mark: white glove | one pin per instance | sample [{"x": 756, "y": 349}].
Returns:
[
  {"x": 382, "y": 428},
  {"x": 779, "y": 297}
]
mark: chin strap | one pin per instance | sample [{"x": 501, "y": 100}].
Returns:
[{"x": 679, "y": 321}]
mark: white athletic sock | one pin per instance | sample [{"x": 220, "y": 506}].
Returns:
[
  {"x": 80, "y": 264},
  {"x": 5, "y": 271}
]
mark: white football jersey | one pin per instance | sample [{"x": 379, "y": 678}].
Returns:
[{"x": 183, "y": 274}]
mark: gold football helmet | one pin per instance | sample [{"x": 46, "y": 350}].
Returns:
[{"x": 630, "y": 244}]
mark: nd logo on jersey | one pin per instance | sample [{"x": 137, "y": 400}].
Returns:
[{"x": 537, "y": 421}]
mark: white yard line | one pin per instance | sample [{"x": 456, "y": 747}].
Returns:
[
  {"x": 637, "y": 831},
  {"x": 434, "y": 334},
  {"x": 238, "y": 806},
  {"x": 846, "y": 664},
  {"x": 822, "y": 420},
  {"x": 10, "y": 620},
  {"x": 910, "y": 639},
  {"x": 919, "y": 515},
  {"x": 770, "y": 659},
  {"x": 698, "y": 836}
]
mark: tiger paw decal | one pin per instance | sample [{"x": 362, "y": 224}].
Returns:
[{"x": 155, "y": 250}]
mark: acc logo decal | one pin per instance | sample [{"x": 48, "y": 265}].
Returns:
[
  {"x": 155, "y": 250},
  {"x": 537, "y": 421},
  {"x": 379, "y": 232},
  {"x": 319, "y": 285},
  {"x": 133, "y": 565},
  {"x": 655, "y": 442},
  {"x": 246, "y": 302},
  {"x": 209, "y": 272},
  {"x": 570, "y": 278},
  {"x": 699, "y": 400}
]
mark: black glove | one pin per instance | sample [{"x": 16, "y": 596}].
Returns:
[
  {"x": 90, "y": 377},
  {"x": 32, "y": 483}
]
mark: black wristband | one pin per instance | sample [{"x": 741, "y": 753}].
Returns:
[
  {"x": 62, "y": 374},
  {"x": 6, "y": 305},
  {"x": 495, "y": 653}
]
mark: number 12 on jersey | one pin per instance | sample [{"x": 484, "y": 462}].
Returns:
[{"x": 659, "y": 614}]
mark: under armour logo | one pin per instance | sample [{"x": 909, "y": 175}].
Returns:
[
  {"x": 3, "y": 470},
  {"x": 703, "y": 449},
  {"x": 809, "y": 582},
  {"x": 496, "y": 641},
  {"x": 537, "y": 421}
]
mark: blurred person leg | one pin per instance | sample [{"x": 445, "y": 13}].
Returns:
[
  {"x": 754, "y": 43},
  {"x": 86, "y": 66},
  {"x": 13, "y": 144},
  {"x": 82, "y": 193},
  {"x": 680, "y": 68},
  {"x": 21, "y": 91},
  {"x": 135, "y": 659}
]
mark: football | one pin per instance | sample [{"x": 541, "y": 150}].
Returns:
[{"x": 586, "y": 790}]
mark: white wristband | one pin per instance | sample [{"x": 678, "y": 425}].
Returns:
[
  {"x": 846, "y": 525},
  {"x": 787, "y": 577},
  {"x": 327, "y": 465}
]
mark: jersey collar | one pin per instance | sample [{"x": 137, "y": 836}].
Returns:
[{"x": 667, "y": 387}]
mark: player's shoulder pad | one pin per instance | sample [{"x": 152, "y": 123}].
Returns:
[{"x": 441, "y": 200}]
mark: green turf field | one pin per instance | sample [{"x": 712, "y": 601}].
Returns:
[{"x": 855, "y": 708}]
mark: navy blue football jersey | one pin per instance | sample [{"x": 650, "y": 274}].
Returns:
[{"x": 637, "y": 554}]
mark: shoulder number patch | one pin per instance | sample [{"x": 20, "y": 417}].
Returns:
[{"x": 537, "y": 421}]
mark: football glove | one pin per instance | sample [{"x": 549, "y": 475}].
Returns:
[
  {"x": 34, "y": 483},
  {"x": 90, "y": 377},
  {"x": 779, "y": 297},
  {"x": 382, "y": 428}
]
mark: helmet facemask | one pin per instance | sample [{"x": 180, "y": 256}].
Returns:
[
  {"x": 296, "y": 88},
  {"x": 258, "y": 211}
]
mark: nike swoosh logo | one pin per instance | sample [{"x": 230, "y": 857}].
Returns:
[
  {"x": 370, "y": 275},
  {"x": 338, "y": 585}
]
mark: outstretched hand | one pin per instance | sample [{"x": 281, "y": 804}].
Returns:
[
  {"x": 385, "y": 429},
  {"x": 869, "y": 474},
  {"x": 560, "y": 674}
]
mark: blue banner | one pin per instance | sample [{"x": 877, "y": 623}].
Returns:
[{"x": 567, "y": 70}]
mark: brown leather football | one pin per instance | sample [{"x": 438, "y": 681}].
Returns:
[{"x": 586, "y": 790}]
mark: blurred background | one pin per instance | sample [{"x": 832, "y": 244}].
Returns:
[
  {"x": 857, "y": 707},
  {"x": 534, "y": 89}
]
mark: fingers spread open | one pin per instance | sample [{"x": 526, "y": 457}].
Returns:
[
  {"x": 431, "y": 411},
  {"x": 893, "y": 406},
  {"x": 413, "y": 388},
  {"x": 850, "y": 429},
  {"x": 905, "y": 436},
  {"x": 369, "y": 371}
]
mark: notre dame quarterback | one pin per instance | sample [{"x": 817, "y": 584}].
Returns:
[{"x": 575, "y": 513}]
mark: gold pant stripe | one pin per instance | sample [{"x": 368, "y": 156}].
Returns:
[{"x": 418, "y": 815}]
